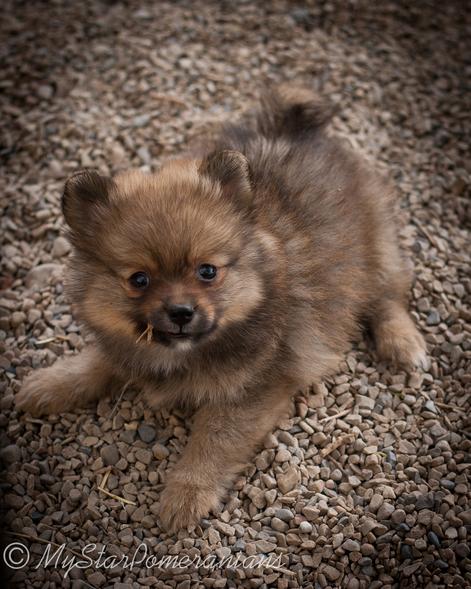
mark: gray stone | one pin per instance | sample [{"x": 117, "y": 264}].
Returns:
[
  {"x": 239, "y": 546},
  {"x": 10, "y": 454},
  {"x": 213, "y": 536},
  {"x": 284, "y": 514},
  {"x": 398, "y": 516},
  {"x": 305, "y": 528},
  {"x": 264, "y": 546},
  {"x": 385, "y": 511},
  {"x": 354, "y": 481},
  {"x": 463, "y": 550},
  {"x": 96, "y": 579},
  {"x": 430, "y": 406},
  {"x": 351, "y": 545},
  {"x": 367, "y": 526},
  {"x": 110, "y": 455},
  {"x": 288, "y": 480},
  {"x": 406, "y": 447},
  {"x": 160, "y": 451},
  {"x": 39, "y": 277},
  {"x": 331, "y": 573},
  {"x": 146, "y": 433},
  {"x": 45, "y": 91},
  {"x": 279, "y": 525},
  {"x": 143, "y": 154},
  {"x": 34, "y": 315},
  {"x": 61, "y": 247},
  {"x": 224, "y": 528},
  {"x": 433, "y": 318},
  {"x": 365, "y": 402},
  {"x": 75, "y": 495},
  {"x": 434, "y": 539},
  {"x": 437, "y": 430},
  {"x": 17, "y": 318},
  {"x": 144, "y": 456},
  {"x": 424, "y": 501},
  {"x": 375, "y": 502},
  {"x": 257, "y": 496}
]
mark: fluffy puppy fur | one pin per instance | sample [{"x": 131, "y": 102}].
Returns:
[{"x": 255, "y": 264}]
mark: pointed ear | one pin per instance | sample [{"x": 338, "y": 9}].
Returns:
[
  {"x": 231, "y": 169},
  {"x": 85, "y": 193}
]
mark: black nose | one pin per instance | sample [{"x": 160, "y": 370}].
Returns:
[{"x": 180, "y": 314}]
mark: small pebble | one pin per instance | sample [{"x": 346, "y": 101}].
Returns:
[
  {"x": 146, "y": 433},
  {"x": 305, "y": 527}
]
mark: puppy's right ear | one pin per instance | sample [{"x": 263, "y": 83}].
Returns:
[
  {"x": 85, "y": 196},
  {"x": 231, "y": 169}
]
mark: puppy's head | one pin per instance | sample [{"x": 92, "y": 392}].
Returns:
[{"x": 170, "y": 254}]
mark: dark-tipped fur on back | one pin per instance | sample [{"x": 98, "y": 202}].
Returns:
[{"x": 295, "y": 114}]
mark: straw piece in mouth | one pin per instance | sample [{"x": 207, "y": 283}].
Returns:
[{"x": 146, "y": 333}]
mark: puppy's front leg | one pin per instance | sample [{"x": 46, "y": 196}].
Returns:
[
  {"x": 223, "y": 440},
  {"x": 71, "y": 382}
]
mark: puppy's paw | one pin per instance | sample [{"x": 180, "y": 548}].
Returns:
[
  {"x": 398, "y": 340},
  {"x": 183, "y": 504},
  {"x": 41, "y": 393}
]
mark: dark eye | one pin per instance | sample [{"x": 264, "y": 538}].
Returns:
[
  {"x": 139, "y": 280},
  {"x": 207, "y": 272}
]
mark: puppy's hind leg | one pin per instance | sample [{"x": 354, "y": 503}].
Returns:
[
  {"x": 71, "y": 382},
  {"x": 397, "y": 338}
]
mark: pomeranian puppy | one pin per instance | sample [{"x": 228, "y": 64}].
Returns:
[{"x": 227, "y": 282}]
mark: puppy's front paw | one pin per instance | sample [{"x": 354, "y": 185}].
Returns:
[
  {"x": 42, "y": 394},
  {"x": 184, "y": 503}
]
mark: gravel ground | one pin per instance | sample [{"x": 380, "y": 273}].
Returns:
[{"x": 366, "y": 485}]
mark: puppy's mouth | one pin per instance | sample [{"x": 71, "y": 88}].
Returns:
[
  {"x": 171, "y": 335},
  {"x": 152, "y": 334}
]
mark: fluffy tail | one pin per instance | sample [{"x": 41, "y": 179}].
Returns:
[{"x": 293, "y": 112}]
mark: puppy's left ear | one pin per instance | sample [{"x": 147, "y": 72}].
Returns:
[{"x": 231, "y": 169}]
